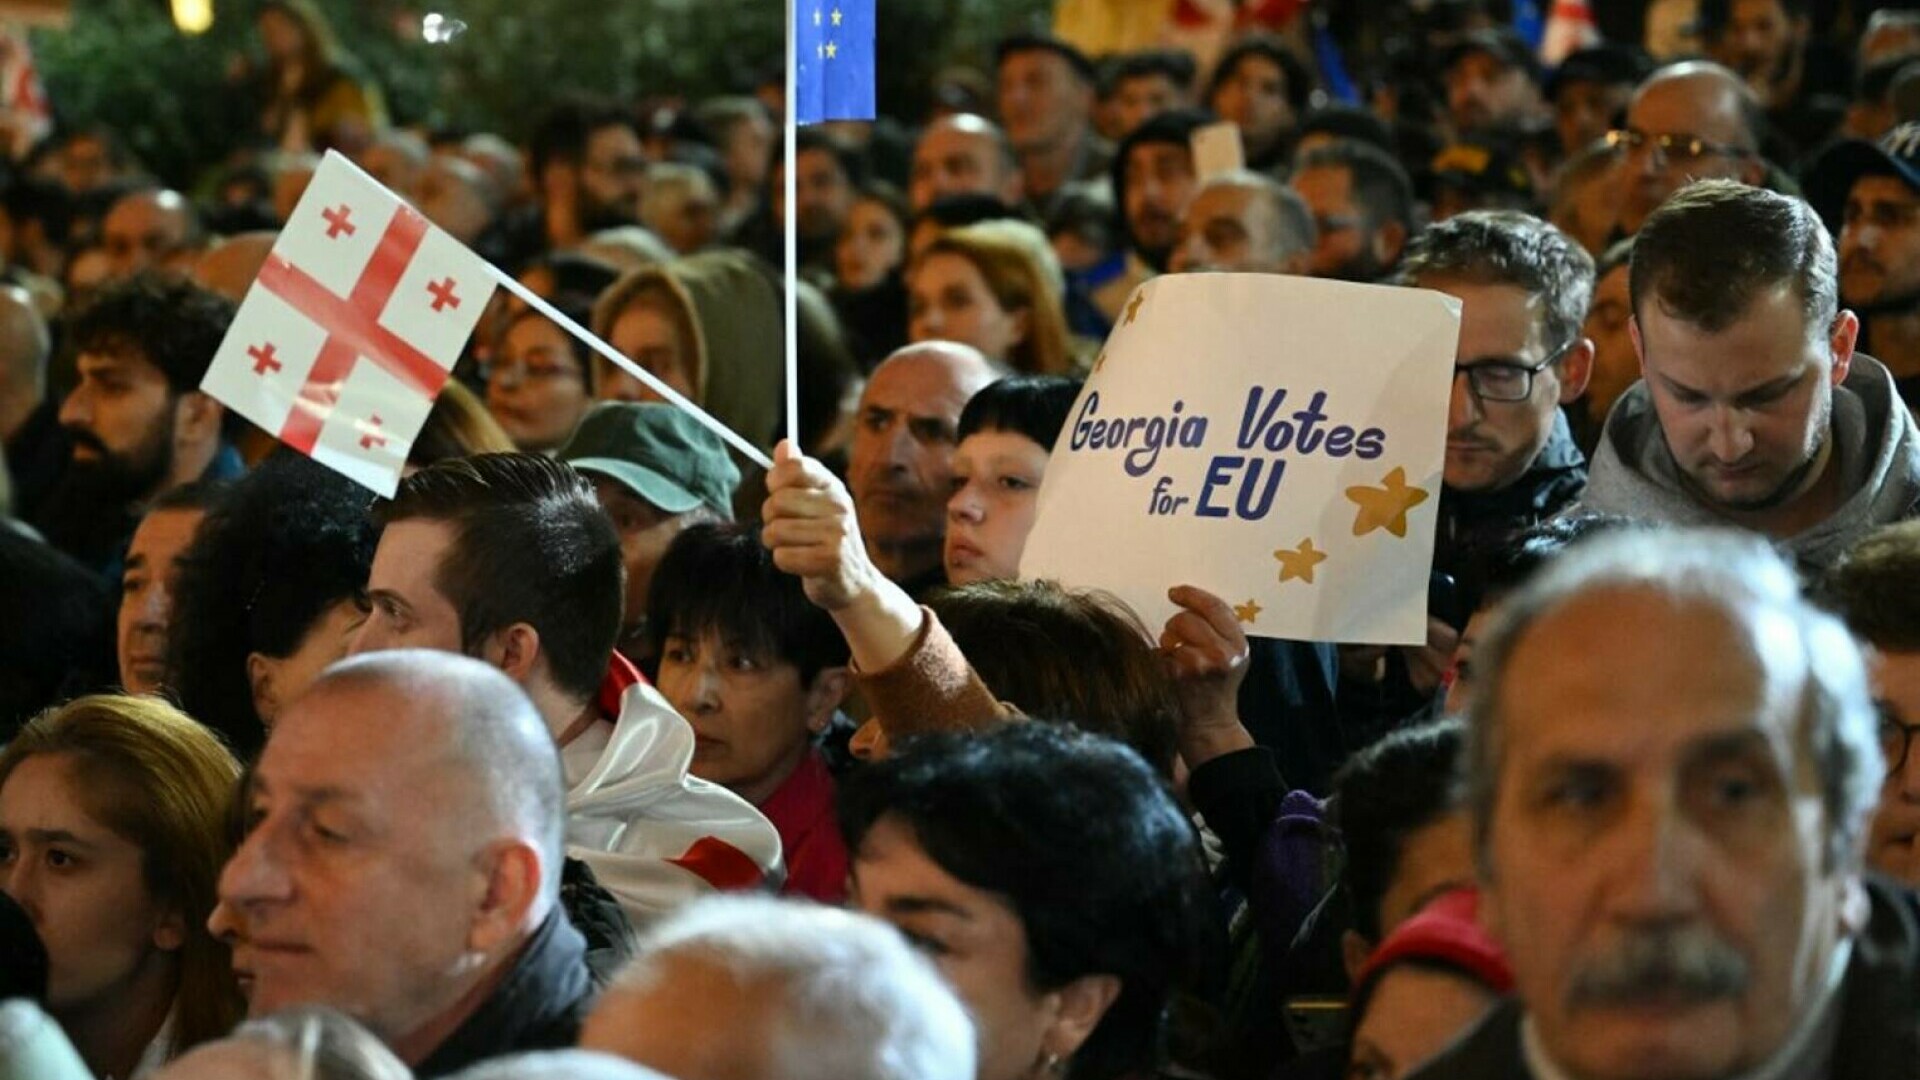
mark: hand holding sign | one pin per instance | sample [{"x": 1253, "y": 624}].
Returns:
[
  {"x": 1277, "y": 441},
  {"x": 1206, "y": 653}
]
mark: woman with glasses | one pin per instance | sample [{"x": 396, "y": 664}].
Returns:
[{"x": 537, "y": 382}]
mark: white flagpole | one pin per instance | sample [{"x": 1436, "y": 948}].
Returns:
[{"x": 791, "y": 228}]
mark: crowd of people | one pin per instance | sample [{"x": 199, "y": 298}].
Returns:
[{"x": 601, "y": 751}]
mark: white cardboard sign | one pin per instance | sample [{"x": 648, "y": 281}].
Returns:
[{"x": 1275, "y": 440}]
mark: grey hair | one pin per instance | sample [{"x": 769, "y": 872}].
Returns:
[
  {"x": 1507, "y": 247},
  {"x": 1293, "y": 231},
  {"x": 327, "y": 1044},
  {"x": 856, "y": 1002},
  {"x": 559, "y": 1065},
  {"x": 493, "y": 732},
  {"x": 1735, "y": 573}
]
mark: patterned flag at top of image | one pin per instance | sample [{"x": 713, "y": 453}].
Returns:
[
  {"x": 352, "y": 327},
  {"x": 833, "y": 61}
]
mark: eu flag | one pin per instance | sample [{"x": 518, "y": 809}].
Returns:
[{"x": 833, "y": 61}]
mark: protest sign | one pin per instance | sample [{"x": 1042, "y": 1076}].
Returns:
[{"x": 1275, "y": 440}]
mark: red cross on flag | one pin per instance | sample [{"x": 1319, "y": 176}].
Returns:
[{"x": 352, "y": 327}]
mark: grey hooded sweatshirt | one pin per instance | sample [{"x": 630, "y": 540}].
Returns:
[{"x": 1877, "y": 450}]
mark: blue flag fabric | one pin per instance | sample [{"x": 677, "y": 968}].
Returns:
[{"x": 833, "y": 61}]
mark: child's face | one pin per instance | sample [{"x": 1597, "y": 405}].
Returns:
[{"x": 752, "y": 716}]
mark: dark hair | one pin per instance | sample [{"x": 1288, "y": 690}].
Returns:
[
  {"x": 1615, "y": 257},
  {"x": 176, "y": 325},
  {"x": 1397, "y": 786},
  {"x": 890, "y": 199},
  {"x": 56, "y": 629},
  {"x": 1083, "y": 842},
  {"x": 959, "y": 211},
  {"x": 1349, "y": 122},
  {"x": 1175, "y": 128},
  {"x": 1507, "y": 247},
  {"x": 530, "y": 545},
  {"x": 1714, "y": 245},
  {"x": 1872, "y": 587},
  {"x": 457, "y": 426},
  {"x": 1715, "y": 16},
  {"x": 1030, "y": 642},
  {"x": 290, "y": 540},
  {"x": 851, "y": 164},
  {"x": 720, "y": 579},
  {"x": 1380, "y": 185},
  {"x": 565, "y": 130},
  {"x": 202, "y": 494},
  {"x": 1174, "y": 65},
  {"x": 1032, "y": 405},
  {"x": 1022, "y": 43},
  {"x": 1497, "y": 565},
  {"x": 1267, "y": 47}
]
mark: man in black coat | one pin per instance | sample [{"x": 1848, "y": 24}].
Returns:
[
  {"x": 1670, "y": 768},
  {"x": 403, "y": 864}
]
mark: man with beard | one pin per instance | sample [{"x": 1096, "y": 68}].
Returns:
[
  {"x": 138, "y": 423},
  {"x": 1153, "y": 178},
  {"x": 1669, "y": 825},
  {"x": 900, "y": 467},
  {"x": 1362, "y": 205},
  {"x": 1870, "y": 194},
  {"x": 823, "y": 192},
  {"x": 588, "y": 169},
  {"x": 1802, "y": 80},
  {"x": 1753, "y": 409}
]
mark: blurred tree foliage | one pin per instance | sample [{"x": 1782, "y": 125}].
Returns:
[{"x": 123, "y": 64}]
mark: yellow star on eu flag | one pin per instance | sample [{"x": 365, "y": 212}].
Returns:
[
  {"x": 832, "y": 50},
  {"x": 836, "y": 16},
  {"x": 1386, "y": 506},
  {"x": 1133, "y": 307},
  {"x": 816, "y": 16},
  {"x": 1248, "y": 612},
  {"x": 1299, "y": 562}
]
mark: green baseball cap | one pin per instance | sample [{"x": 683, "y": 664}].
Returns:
[{"x": 658, "y": 452}]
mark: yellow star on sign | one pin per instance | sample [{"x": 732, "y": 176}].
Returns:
[
  {"x": 1133, "y": 307},
  {"x": 832, "y": 50},
  {"x": 1386, "y": 506},
  {"x": 1248, "y": 612},
  {"x": 836, "y": 16},
  {"x": 1299, "y": 563}
]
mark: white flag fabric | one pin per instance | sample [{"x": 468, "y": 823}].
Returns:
[
  {"x": 1277, "y": 441},
  {"x": 352, "y": 327}
]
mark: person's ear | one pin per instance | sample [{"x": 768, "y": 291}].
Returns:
[
  {"x": 1354, "y": 951},
  {"x": 170, "y": 933},
  {"x": 1079, "y": 1007},
  {"x": 1576, "y": 367},
  {"x": 1846, "y": 335},
  {"x": 829, "y": 689},
  {"x": 196, "y": 419},
  {"x": 260, "y": 673},
  {"x": 514, "y": 650},
  {"x": 1389, "y": 240},
  {"x": 512, "y": 875}
]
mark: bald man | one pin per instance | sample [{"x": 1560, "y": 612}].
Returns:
[
  {"x": 32, "y": 451},
  {"x": 963, "y": 154},
  {"x": 1689, "y": 121},
  {"x": 1245, "y": 222},
  {"x": 145, "y": 228},
  {"x": 900, "y": 467},
  {"x": 403, "y": 864},
  {"x": 229, "y": 267}
]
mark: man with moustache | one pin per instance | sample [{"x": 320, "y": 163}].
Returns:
[
  {"x": 1754, "y": 408},
  {"x": 1870, "y": 195},
  {"x": 900, "y": 467},
  {"x": 137, "y": 421},
  {"x": 1693, "y": 120},
  {"x": 1669, "y": 823}
]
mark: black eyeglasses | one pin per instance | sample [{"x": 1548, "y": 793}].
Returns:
[
  {"x": 1503, "y": 380},
  {"x": 1682, "y": 150},
  {"x": 1896, "y": 742}
]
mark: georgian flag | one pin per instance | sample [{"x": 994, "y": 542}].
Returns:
[{"x": 352, "y": 327}]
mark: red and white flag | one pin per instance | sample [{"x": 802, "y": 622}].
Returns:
[
  {"x": 1570, "y": 28},
  {"x": 352, "y": 327}
]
